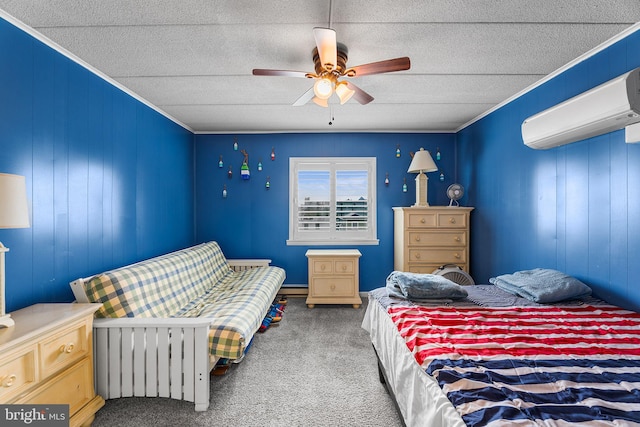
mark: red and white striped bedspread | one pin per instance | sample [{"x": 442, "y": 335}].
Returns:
[{"x": 551, "y": 365}]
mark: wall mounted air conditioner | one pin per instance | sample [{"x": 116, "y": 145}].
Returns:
[{"x": 605, "y": 108}]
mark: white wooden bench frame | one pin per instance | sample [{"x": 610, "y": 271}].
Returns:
[{"x": 156, "y": 357}]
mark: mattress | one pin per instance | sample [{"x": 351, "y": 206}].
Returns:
[{"x": 493, "y": 359}]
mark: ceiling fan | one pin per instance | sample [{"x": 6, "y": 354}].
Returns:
[{"x": 330, "y": 59}]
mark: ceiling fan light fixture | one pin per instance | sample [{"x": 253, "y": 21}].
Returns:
[
  {"x": 343, "y": 92},
  {"x": 321, "y": 101},
  {"x": 323, "y": 88}
]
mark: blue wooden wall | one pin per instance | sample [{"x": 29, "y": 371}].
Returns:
[
  {"x": 575, "y": 208},
  {"x": 254, "y": 222},
  {"x": 110, "y": 181}
]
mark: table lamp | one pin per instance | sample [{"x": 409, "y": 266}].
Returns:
[
  {"x": 14, "y": 213},
  {"x": 421, "y": 163}
]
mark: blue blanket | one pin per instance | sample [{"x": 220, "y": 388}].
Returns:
[
  {"x": 423, "y": 286},
  {"x": 542, "y": 285}
]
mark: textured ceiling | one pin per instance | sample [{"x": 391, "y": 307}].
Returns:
[{"x": 192, "y": 59}]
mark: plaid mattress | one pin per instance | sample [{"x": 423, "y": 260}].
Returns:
[
  {"x": 237, "y": 305},
  {"x": 193, "y": 282}
]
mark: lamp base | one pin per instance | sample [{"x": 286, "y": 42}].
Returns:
[
  {"x": 421, "y": 190},
  {"x": 6, "y": 321}
]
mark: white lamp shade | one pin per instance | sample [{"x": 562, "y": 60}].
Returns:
[
  {"x": 321, "y": 102},
  {"x": 323, "y": 88},
  {"x": 14, "y": 209},
  {"x": 422, "y": 162},
  {"x": 343, "y": 92}
]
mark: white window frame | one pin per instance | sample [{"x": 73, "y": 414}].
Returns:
[{"x": 332, "y": 236}]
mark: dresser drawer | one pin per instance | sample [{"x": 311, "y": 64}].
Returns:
[
  {"x": 333, "y": 287},
  {"x": 430, "y": 268},
  {"x": 324, "y": 266},
  {"x": 74, "y": 387},
  {"x": 437, "y": 256},
  {"x": 344, "y": 266},
  {"x": 437, "y": 238},
  {"x": 452, "y": 220},
  {"x": 423, "y": 268},
  {"x": 422, "y": 219},
  {"x": 330, "y": 266},
  {"x": 17, "y": 373},
  {"x": 63, "y": 349}
]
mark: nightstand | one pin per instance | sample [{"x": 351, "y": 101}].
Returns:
[
  {"x": 334, "y": 277},
  {"x": 47, "y": 358}
]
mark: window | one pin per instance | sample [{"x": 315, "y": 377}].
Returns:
[{"x": 332, "y": 201}]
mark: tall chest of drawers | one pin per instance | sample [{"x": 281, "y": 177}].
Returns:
[
  {"x": 47, "y": 358},
  {"x": 426, "y": 238}
]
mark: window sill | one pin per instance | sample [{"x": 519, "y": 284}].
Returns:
[{"x": 332, "y": 242}]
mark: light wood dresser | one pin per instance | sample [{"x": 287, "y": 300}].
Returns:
[
  {"x": 47, "y": 358},
  {"x": 425, "y": 238},
  {"x": 334, "y": 277}
]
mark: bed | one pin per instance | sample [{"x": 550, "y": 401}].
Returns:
[{"x": 493, "y": 358}]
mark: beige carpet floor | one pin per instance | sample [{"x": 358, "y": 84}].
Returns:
[{"x": 314, "y": 368}]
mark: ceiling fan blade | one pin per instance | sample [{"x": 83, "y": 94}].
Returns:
[
  {"x": 306, "y": 97},
  {"x": 283, "y": 73},
  {"x": 397, "y": 64},
  {"x": 361, "y": 96},
  {"x": 327, "y": 47}
]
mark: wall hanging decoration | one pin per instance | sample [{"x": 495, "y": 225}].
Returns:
[
  {"x": 273, "y": 153},
  {"x": 244, "y": 169},
  {"x": 386, "y": 179},
  {"x": 267, "y": 184},
  {"x": 441, "y": 176},
  {"x": 235, "y": 144},
  {"x": 220, "y": 163},
  {"x": 438, "y": 153},
  {"x": 404, "y": 185},
  {"x": 224, "y": 191},
  {"x": 230, "y": 173},
  {"x": 259, "y": 165},
  {"x": 398, "y": 150}
]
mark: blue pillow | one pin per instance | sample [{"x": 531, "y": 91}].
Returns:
[
  {"x": 542, "y": 285},
  {"x": 424, "y": 286}
]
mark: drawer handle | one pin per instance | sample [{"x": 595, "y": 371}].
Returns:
[
  {"x": 418, "y": 256},
  {"x": 344, "y": 267},
  {"x": 333, "y": 287},
  {"x": 323, "y": 267},
  {"x": 457, "y": 238},
  {"x": 422, "y": 220},
  {"x": 452, "y": 220},
  {"x": 8, "y": 380},
  {"x": 456, "y": 255},
  {"x": 67, "y": 348},
  {"x": 417, "y": 238}
]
